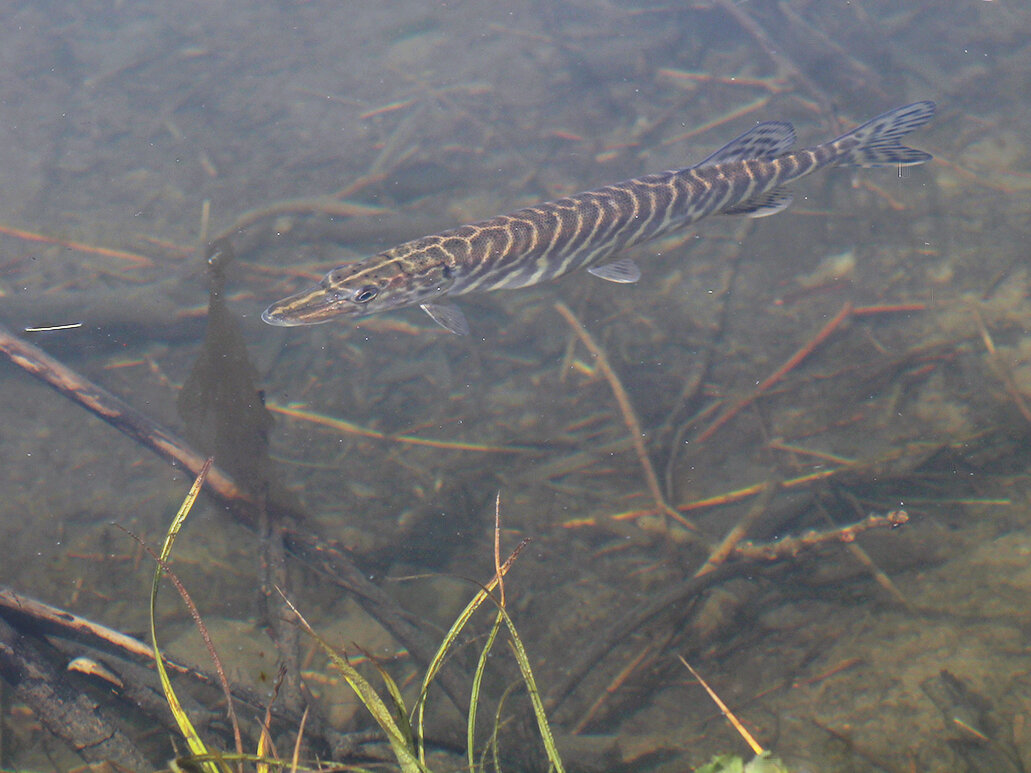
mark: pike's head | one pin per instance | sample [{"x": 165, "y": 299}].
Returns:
[{"x": 403, "y": 276}]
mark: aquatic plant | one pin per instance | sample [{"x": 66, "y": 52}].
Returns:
[{"x": 402, "y": 727}]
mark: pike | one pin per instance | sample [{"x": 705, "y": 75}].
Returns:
[{"x": 747, "y": 176}]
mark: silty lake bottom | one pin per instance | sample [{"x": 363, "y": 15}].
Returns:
[{"x": 862, "y": 352}]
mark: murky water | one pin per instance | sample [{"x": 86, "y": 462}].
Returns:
[{"x": 863, "y": 351}]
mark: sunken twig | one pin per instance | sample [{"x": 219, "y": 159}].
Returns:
[
  {"x": 120, "y": 415},
  {"x": 629, "y": 417},
  {"x": 63, "y": 708},
  {"x": 731, "y": 542},
  {"x": 742, "y": 560},
  {"x": 789, "y": 547},
  {"x": 825, "y": 332}
]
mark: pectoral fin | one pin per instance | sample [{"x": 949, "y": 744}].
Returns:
[
  {"x": 623, "y": 271},
  {"x": 448, "y": 316}
]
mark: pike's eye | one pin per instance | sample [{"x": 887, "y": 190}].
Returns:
[{"x": 365, "y": 294}]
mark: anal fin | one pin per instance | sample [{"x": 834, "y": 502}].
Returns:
[
  {"x": 769, "y": 203},
  {"x": 623, "y": 271}
]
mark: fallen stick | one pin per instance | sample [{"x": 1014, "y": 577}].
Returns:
[
  {"x": 308, "y": 546},
  {"x": 629, "y": 417},
  {"x": 67, "y": 712},
  {"x": 121, "y": 416},
  {"x": 793, "y": 361}
]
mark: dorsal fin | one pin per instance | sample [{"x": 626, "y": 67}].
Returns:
[{"x": 763, "y": 141}]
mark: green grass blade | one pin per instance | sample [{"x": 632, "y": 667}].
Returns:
[
  {"x": 474, "y": 699},
  {"x": 438, "y": 659},
  {"x": 367, "y": 694},
  {"x": 535, "y": 697},
  {"x": 449, "y": 639},
  {"x": 495, "y": 754},
  {"x": 400, "y": 714},
  {"x": 189, "y": 733},
  {"x": 399, "y": 744}
]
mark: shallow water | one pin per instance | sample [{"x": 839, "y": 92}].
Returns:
[{"x": 148, "y": 128}]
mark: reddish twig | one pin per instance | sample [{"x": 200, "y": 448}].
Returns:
[{"x": 793, "y": 361}]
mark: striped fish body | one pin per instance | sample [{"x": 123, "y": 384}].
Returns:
[{"x": 539, "y": 243}]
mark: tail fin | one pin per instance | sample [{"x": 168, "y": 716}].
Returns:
[{"x": 876, "y": 142}]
